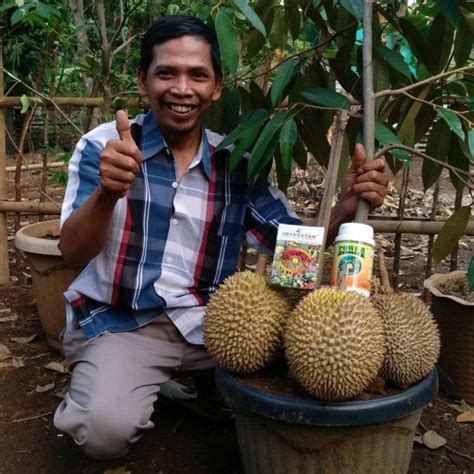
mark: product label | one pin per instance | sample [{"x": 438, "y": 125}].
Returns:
[
  {"x": 296, "y": 259},
  {"x": 352, "y": 266}
]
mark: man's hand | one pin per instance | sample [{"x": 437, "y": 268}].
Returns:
[
  {"x": 119, "y": 161},
  {"x": 363, "y": 180}
]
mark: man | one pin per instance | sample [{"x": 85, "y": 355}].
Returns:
[{"x": 159, "y": 226}]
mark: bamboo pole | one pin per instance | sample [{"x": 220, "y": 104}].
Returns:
[
  {"x": 14, "y": 101},
  {"x": 4, "y": 268},
  {"x": 29, "y": 207},
  {"x": 37, "y": 166},
  {"x": 368, "y": 100}
]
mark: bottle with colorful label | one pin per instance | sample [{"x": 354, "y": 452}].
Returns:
[{"x": 353, "y": 258}]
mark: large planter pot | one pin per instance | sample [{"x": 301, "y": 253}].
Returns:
[
  {"x": 50, "y": 274},
  {"x": 283, "y": 435},
  {"x": 455, "y": 317}
]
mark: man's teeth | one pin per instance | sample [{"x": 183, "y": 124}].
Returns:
[{"x": 181, "y": 109}]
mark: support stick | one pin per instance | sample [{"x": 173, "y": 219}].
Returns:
[{"x": 369, "y": 100}]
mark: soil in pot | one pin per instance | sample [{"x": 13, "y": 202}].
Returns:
[{"x": 458, "y": 287}]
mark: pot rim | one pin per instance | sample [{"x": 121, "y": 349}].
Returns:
[
  {"x": 434, "y": 280},
  {"x": 245, "y": 398},
  {"x": 31, "y": 238}
]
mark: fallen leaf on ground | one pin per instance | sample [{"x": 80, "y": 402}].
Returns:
[
  {"x": 466, "y": 417},
  {"x": 60, "y": 393},
  {"x": 5, "y": 310},
  {"x": 460, "y": 406},
  {"x": 8, "y": 319},
  {"x": 23, "y": 340},
  {"x": 45, "y": 388},
  {"x": 433, "y": 440},
  {"x": 418, "y": 439},
  {"x": 57, "y": 367},
  {"x": 17, "y": 362},
  {"x": 4, "y": 352}
]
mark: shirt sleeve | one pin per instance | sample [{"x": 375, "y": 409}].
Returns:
[{"x": 268, "y": 207}]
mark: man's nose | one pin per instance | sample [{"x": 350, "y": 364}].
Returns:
[{"x": 182, "y": 85}]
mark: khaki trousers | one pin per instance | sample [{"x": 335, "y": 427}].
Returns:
[{"x": 115, "y": 381}]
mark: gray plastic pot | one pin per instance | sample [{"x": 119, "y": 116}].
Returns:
[
  {"x": 455, "y": 318},
  {"x": 50, "y": 274},
  {"x": 283, "y": 435}
]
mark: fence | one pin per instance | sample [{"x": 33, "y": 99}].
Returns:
[{"x": 398, "y": 225}]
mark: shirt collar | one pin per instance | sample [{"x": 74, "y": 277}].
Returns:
[{"x": 153, "y": 142}]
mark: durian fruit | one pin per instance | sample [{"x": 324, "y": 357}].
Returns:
[
  {"x": 412, "y": 338},
  {"x": 334, "y": 343},
  {"x": 243, "y": 323}
]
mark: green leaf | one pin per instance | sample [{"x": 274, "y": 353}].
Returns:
[
  {"x": 285, "y": 74},
  {"x": 462, "y": 44},
  {"x": 227, "y": 37},
  {"x": 288, "y": 135},
  {"x": 230, "y": 109},
  {"x": 470, "y": 274},
  {"x": 386, "y": 137},
  {"x": 453, "y": 121},
  {"x": 17, "y": 16},
  {"x": 251, "y": 120},
  {"x": 450, "y": 10},
  {"x": 19, "y": 3},
  {"x": 251, "y": 16},
  {"x": 327, "y": 98},
  {"x": 450, "y": 234},
  {"x": 279, "y": 34},
  {"x": 394, "y": 59},
  {"x": 43, "y": 10},
  {"x": 459, "y": 160},
  {"x": 354, "y": 7},
  {"x": 294, "y": 18},
  {"x": 417, "y": 43},
  {"x": 243, "y": 145},
  {"x": 300, "y": 155},
  {"x": 437, "y": 147},
  {"x": 470, "y": 141},
  {"x": 25, "y": 103},
  {"x": 441, "y": 41},
  {"x": 266, "y": 145}
]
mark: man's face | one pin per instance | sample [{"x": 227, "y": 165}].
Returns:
[{"x": 180, "y": 84}]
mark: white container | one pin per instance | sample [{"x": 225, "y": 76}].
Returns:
[{"x": 353, "y": 258}]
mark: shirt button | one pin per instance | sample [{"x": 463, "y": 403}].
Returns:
[
  {"x": 169, "y": 259},
  {"x": 175, "y": 184},
  {"x": 175, "y": 221}
]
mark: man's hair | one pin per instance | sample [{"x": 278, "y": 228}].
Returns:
[{"x": 175, "y": 26}]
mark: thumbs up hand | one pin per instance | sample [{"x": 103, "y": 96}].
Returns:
[{"x": 120, "y": 160}]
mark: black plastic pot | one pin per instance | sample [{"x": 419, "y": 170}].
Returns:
[{"x": 280, "y": 434}]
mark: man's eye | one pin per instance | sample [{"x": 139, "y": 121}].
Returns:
[
  {"x": 164, "y": 74},
  {"x": 200, "y": 75}
]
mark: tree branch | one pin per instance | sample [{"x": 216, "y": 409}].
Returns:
[
  {"x": 429, "y": 80},
  {"x": 123, "y": 45},
  {"x": 46, "y": 98},
  {"x": 458, "y": 172}
]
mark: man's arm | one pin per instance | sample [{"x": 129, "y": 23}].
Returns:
[
  {"x": 84, "y": 234},
  {"x": 363, "y": 181}
]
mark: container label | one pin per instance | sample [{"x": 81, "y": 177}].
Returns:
[
  {"x": 352, "y": 266},
  {"x": 296, "y": 259}
]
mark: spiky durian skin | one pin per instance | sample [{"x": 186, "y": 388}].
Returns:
[
  {"x": 243, "y": 323},
  {"x": 411, "y": 336},
  {"x": 334, "y": 343}
]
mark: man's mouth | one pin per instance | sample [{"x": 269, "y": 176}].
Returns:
[{"x": 181, "y": 108}]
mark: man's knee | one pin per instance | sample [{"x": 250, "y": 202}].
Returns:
[{"x": 103, "y": 430}]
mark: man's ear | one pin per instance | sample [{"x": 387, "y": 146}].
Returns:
[
  {"x": 141, "y": 77},
  {"x": 217, "y": 90}
]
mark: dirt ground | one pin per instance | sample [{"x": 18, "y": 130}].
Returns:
[{"x": 181, "y": 442}]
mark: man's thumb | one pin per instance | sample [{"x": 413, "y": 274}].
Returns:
[
  {"x": 358, "y": 158},
  {"x": 123, "y": 126}
]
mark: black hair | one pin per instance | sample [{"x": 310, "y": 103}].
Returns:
[{"x": 175, "y": 26}]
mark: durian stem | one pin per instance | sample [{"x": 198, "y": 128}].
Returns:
[
  {"x": 383, "y": 273},
  {"x": 262, "y": 263},
  {"x": 362, "y": 212}
]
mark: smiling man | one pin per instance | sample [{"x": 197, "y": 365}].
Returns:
[{"x": 157, "y": 219}]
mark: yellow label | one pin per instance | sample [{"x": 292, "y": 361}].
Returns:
[{"x": 352, "y": 266}]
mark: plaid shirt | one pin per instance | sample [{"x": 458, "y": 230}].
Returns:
[{"x": 171, "y": 241}]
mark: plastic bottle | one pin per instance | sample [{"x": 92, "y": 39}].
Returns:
[{"x": 353, "y": 258}]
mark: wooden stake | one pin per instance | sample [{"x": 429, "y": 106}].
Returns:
[{"x": 4, "y": 267}]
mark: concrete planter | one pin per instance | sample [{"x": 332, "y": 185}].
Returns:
[
  {"x": 282, "y": 435},
  {"x": 455, "y": 318},
  {"x": 51, "y": 275}
]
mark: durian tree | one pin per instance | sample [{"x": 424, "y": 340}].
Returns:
[{"x": 289, "y": 65}]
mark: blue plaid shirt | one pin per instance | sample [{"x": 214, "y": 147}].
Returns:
[{"x": 171, "y": 241}]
